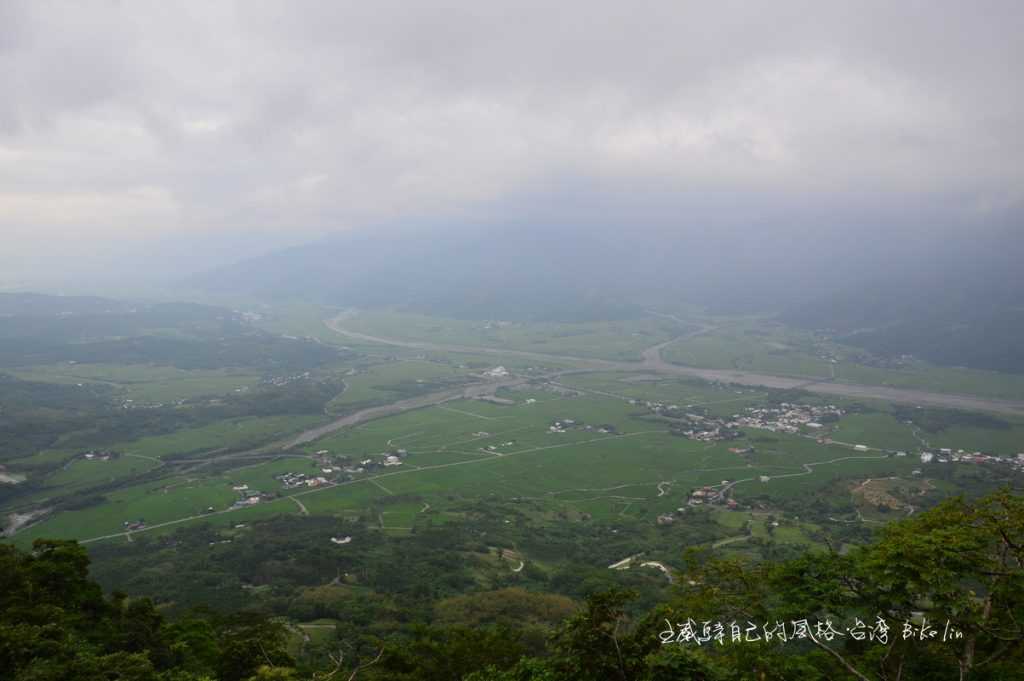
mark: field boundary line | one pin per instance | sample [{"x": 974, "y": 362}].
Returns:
[{"x": 381, "y": 486}]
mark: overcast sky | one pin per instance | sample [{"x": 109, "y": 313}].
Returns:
[{"x": 133, "y": 126}]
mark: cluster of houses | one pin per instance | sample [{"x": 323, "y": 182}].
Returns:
[
  {"x": 247, "y": 497},
  {"x": 248, "y": 316},
  {"x": 827, "y": 355},
  {"x": 557, "y": 389},
  {"x": 565, "y": 425},
  {"x": 493, "y": 399},
  {"x": 948, "y": 455},
  {"x": 787, "y": 418},
  {"x": 691, "y": 425},
  {"x": 881, "y": 361},
  {"x": 562, "y": 425},
  {"x": 656, "y": 407},
  {"x": 709, "y": 494},
  {"x": 99, "y": 455},
  {"x": 132, "y": 404},
  {"x": 701, "y": 496},
  {"x": 279, "y": 381},
  {"x": 385, "y": 460},
  {"x": 10, "y": 479},
  {"x": 497, "y": 324},
  {"x": 706, "y": 429},
  {"x": 291, "y": 480},
  {"x": 339, "y": 468},
  {"x": 701, "y": 427}
]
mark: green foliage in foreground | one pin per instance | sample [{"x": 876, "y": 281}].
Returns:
[
  {"x": 56, "y": 624},
  {"x": 961, "y": 563}
]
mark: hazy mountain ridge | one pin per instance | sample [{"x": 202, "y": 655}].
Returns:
[
  {"x": 497, "y": 273},
  {"x": 42, "y": 329},
  {"x": 562, "y": 270},
  {"x": 964, "y": 310},
  {"x": 953, "y": 301}
]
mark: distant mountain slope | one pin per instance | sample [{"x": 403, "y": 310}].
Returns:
[
  {"x": 40, "y": 304},
  {"x": 486, "y": 274},
  {"x": 947, "y": 295},
  {"x": 42, "y": 329},
  {"x": 965, "y": 309},
  {"x": 564, "y": 271}
]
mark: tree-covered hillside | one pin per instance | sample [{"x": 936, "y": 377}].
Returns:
[{"x": 937, "y": 596}]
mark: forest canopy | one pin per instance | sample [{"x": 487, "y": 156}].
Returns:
[{"x": 948, "y": 583}]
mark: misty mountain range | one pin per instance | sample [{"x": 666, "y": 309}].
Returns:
[
  {"x": 953, "y": 301},
  {"x": 965, "y": 311}
]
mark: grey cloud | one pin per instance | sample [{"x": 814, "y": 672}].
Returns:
[{"x": 133, "y": 120}]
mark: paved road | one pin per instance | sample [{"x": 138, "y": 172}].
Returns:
[
  {"x": 279, "y": 448},
  {"x": 373, "y": 479},
  {"x": 730, "y": 540},
  {"x": 334, "y": 325},
  {"x": 363, "y": 415},
  {"x": 653, "y": 361}
]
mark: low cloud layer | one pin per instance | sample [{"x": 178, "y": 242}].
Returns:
[{"x": 281, "y": 121}]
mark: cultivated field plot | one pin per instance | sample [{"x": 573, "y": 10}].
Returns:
[
  {"x": 392, "y": 381},
  {"x": 619, "y": 340},
  {"x": 752, "y": 345},
  {"x": 924, "y": 376},
  {"x": 583, "y": 446},
  {"x": 230, "y": 433},
  {"x": 82, "y": 472},
  {"x": 471, "y": 449},
  {"x": 475, "y": 361},
  {"x": 764, "y": 346},
  {"x": 765, "y": 526},
  {"x": 79, "y": 475},
  {"x": 879, "y": 430},
  {"x": 1007, "y": 440},
  {"x": 301, "y": 320},
  {"x": 151, "y": 502},
  {"x": 146, "y": 383},
  {"x": 757, "y": 345},
  {"x": 652, "y": 387}
]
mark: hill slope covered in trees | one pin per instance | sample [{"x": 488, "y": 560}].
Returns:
[{"x": 939, "y": 595}]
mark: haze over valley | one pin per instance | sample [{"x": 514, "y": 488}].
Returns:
[{"x": 511, "y": 342}]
